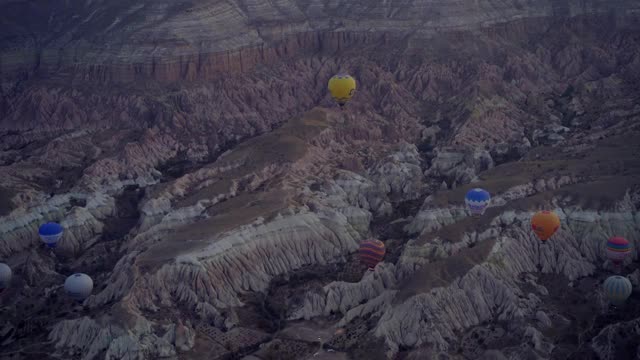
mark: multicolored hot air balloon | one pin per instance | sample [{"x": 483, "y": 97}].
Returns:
[
  {"x": 50, "y": 233},
  {"x": 5, "y": 276},
  {"x": 342, "y": 87},
  {"x": 477, "y": 201},
  {"x": 618, "y": 248},
  {"x": 545, "y": 224},
  {"x": 78, "y": 286},
  {"x": 372, "y": 252},
  {"x": 617, "y": 289}
]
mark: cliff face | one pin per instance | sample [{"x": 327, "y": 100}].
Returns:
[
  {"x": 217, "y": 200},
  {"x": 167, "y": 41}
]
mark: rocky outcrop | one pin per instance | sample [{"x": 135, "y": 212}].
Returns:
[
  {"x": 347, "y": 298},
  {"x": 259, "y": 251},
  {"x": 611, "y": 338},
  {"x": 489, "y": 289},
  {"x": 355, "y": 190},
  {"x": 458, "y": 168},
  {"x": 400, "y": 174},
  {"x": 86, "y": 336},
  {"x": 39, "y": 271},
  {"x": 510, "y": 151},
  {"x": 82, "y": 224}
]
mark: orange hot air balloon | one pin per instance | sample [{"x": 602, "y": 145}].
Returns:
[
  {"x": 545, "y": 224},
  {"x": 371, "y": 253}
]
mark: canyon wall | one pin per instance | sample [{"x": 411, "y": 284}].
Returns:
[{"x": 123, "y": 41}]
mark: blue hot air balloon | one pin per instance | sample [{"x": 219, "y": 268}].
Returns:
[
  {"x": 477, "y": 201},
  {"x": 50, "y": 233},
  {"x": 617, "y": 289}
]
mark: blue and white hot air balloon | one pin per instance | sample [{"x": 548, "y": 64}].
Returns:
[
  {"x": 617, "y": 289},
  {"x": 477, "y": 200},
  {"x": 78, "y": 286},
  {"x": 50, "y": 233}
]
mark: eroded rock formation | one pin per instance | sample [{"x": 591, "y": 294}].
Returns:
[{"x": 220, "y": 218}]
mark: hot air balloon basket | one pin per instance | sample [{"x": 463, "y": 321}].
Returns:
[{"x": 352, "y": 272}]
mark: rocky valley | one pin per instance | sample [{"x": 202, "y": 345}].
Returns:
[{"x": 217, "y": 196}]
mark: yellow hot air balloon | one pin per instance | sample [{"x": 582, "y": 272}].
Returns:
[
  {"x": 545, "y": 224},
  {"x": 342, "y": 87}
]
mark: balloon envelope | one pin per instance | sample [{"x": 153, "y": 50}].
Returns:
[
  {"x": 371, "y": 252},
  {"x": 477, "y": 200},
  {"x": 5, "y": 276},
  {"x": 617, "y": 289},
  {"x": 78, "y": 286},
  {"x": 618, "y": 248},
  {"x": 50, "y": 233},
  {"x": 545, "y": 224},
  {"x": 342, "y": 87}
]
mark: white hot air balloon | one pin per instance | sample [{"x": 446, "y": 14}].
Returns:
[
  {"x": 78, "y": 286},
  {"x": 5, "y": 276}
]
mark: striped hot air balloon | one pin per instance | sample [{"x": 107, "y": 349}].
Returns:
[
  {"x": 372, "y": 252},
  {"x": 617, "y": 289},
  {"x": 477, "y": 201},
  {"x": 618, "y": 248}
]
